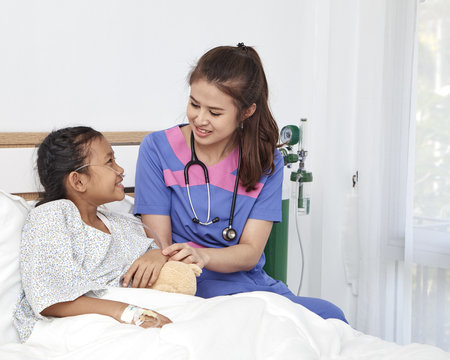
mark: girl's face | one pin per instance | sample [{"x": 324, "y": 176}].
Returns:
[
  {"x": 212, "y": 114},
  {"x": 105, "y": 182}
]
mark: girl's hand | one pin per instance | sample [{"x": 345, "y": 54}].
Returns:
[
  {"x": 187, "y": 254},
  {"x": 142, "y": 317},
  {"x": 158, "y": 323},
  {"x": 145, "y": 270}
]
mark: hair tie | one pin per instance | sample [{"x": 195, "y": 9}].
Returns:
[{"x": 242, "y": 46}]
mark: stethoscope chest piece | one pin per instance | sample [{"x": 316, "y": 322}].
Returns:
[{"x": 229, "y": 234}]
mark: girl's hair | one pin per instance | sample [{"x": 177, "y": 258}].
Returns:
[
  {"x": 238, "y": 72},
  {"x": 62, "y": 152}
]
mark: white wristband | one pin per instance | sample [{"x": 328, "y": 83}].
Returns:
[
  {"x": 128, "y": 314},
  {"x": 137, "y": 314}
]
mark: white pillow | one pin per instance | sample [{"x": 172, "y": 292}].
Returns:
[
  {"x": 123, "y": 207},
  {"x": 13, "y": 212}
]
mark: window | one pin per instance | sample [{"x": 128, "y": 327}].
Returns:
[{"x": 431, "y": 271}]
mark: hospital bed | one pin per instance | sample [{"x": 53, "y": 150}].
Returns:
[{"x": 254, "y": 325}]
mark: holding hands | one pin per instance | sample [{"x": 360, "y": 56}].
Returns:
[
  {"x": 187, "y": 254},
  {"x": 145, "y": 270}
]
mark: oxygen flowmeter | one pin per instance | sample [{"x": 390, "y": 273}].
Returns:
[
  {"x": 277, "y": 244},
  {"x": 291, "y": 135}
]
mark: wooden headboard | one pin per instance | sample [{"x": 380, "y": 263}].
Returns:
[
  {"x": 20, "y": 140},
  {"x": 33, "y": 139}
]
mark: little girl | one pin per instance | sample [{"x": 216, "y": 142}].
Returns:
[{"x": 71, "y": 248}]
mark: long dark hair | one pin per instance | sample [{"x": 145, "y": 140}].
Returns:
[
  {"x": 61, "y": 152},
  {"x": 238, "y": 72}
]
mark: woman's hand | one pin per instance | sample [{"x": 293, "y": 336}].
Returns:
[
  {"x": 187, "y": 254},
  {"x": 145, "y": 270},
  {"x": 243, "y": 256}
]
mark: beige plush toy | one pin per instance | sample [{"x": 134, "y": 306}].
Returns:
[{"x": 178, "y": 277}]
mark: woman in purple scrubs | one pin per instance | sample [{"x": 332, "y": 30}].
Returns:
[{"x": 211, "y": 189}]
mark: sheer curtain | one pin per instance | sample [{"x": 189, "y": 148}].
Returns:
[
  {"x": 383, "y": 112},
  {"x": 360, "y": 118},
  {"x": 403, "y": 225},
  {"x": 369, "y": 250},
  {"x": 367, "y": 84}
]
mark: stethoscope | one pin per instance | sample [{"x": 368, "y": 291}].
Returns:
[{"x": 228, "y": 233}]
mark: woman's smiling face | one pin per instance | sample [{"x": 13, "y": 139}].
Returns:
[{"x": 212, "y": 114}]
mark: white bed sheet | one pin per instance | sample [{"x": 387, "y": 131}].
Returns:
[{"x": 256, "y": 325}]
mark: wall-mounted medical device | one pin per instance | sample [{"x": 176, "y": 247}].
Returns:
[{"x": 292, "y": 135}]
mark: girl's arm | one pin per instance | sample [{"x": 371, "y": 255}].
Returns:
[
  {"x": 88, "y": 305},
  {"x": 241, "y": 257},
  {"x": 145, "y": 270}
]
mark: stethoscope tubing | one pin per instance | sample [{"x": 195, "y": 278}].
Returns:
[
  {"x": 195, "y": 161},
  {"x": 228, "y": 233},
  {"x": 236, "y": 184}
]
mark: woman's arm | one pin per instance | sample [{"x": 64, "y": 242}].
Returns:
[
  {"x": 88, "y": 305},
  {"x": 161, "y": 225},
  {"x": 241, "y": 257}
]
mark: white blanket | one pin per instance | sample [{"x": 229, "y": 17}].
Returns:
[{"x": 256, "y": 325}]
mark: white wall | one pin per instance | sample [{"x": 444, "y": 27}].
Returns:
[
  {"x": 332, "y": 155},
  {"x": 334, "y": 161},
  {"x": 122, "y": 65}
]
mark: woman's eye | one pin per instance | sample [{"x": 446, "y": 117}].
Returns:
[
  {"x": 194, "y": 105},
  {"x": 214, "y": 114}
]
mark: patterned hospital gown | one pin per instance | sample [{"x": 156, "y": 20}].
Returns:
[{"x": 63, "y": 258}]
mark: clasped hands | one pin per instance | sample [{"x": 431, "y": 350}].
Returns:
[{"x": 145, "y": 270}]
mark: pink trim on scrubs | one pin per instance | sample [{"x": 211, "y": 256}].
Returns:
[
  {"x": 195, "y": 245},
  {"x": 220, "y": 174}
]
